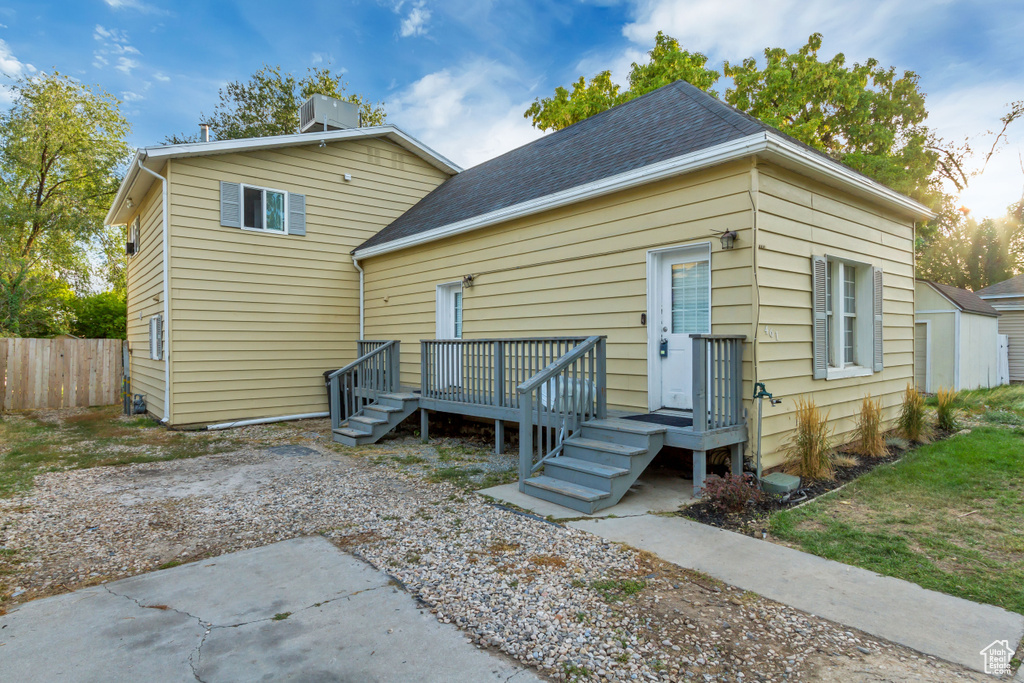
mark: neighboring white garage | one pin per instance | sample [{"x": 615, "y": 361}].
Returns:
[
  {"x": 1007, "y": 297},
  {"x": 956, "y": 339}
]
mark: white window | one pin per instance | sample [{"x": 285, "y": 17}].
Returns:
[
  {"x": 134, "y": 237},
  {"x": 691, "y": 298},
  {"x": 848, "y": 319},
  {"x": 156, "y": 337},
  {"x": 264, "y": 209}
]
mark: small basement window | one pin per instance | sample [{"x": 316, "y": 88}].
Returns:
[{"x": 263, "y": 209}]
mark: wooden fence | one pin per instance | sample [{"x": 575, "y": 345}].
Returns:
[{"x": 59, "y": 373}]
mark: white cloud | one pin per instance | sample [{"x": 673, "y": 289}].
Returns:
[
  {"x": 125, "y": 65},
  {"x": 10, "y": 65},
  {"x": 129, "y": 96},
  {"x": 415, "y": 23},
  {"x": 136, "y": 5},
  {"x": 163, "y": 78},
  {"x": 466, "y": 113}
]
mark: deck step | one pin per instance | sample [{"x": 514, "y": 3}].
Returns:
[
  {"x": 363, "y": 419},
  {"x": 565, "y": 488},
  {"x": 630, "y": 426},
  {"x": 350, "y": 433},
  {"x": 596, "y": 469},
  {"x": 606, "y": 446},
  {"x": 401, "y": 396},
  {"x": 379, "y": 408}
]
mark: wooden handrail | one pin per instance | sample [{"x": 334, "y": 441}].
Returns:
[{"x": 361, "y": 359}]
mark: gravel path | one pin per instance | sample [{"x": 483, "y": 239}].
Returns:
[{"x": 555, "y": 598}]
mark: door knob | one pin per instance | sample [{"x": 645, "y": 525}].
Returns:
[{"x": 664, "y": 329}]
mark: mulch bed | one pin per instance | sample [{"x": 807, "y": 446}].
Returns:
[{"x": 754, "y": 519}]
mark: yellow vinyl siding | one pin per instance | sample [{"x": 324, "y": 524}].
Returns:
[
  {"x": 257, "y": 317},
  {"x": 797, "y": 219},
  {"x": 574, "y": 271},
  {"x": 146, "y": 299}
]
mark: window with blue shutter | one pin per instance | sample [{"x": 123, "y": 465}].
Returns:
[{"x": 262, "y": 208}]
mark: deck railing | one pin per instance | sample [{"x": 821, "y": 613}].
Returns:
[
  {"x": 717, "y": 381},
  {"x": 558, "y": 400},
  {"x": 486, "y": 372},
  {"x": 362, "y": 381}
]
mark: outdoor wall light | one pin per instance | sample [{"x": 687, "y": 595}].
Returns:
[
  {"x": 728, "y": 239},
  {"x": 467, "y": 281}
]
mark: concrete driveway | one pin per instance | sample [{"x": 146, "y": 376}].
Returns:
[{"x": 299, "y": 610}]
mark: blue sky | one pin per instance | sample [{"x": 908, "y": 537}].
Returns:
[{"x": 459, "y": 73}]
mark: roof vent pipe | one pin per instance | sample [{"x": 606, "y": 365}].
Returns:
[{"x": 204, "y": 132}]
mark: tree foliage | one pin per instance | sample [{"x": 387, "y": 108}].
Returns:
[
  {"x": 668, "y": 63},
  {"x": 61, "y": 147},
  {"x": 268, "y": 104},
  {"x": 101, "y": 316},
  {"x": 864, "y": 115},
  {"x": 972, "y": 255}
]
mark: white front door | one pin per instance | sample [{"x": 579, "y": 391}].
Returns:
[
  {"x": 449, "y": 326},
  {"x": 681, "y": 306}
]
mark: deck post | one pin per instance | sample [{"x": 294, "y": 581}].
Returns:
[
  {"x": 700, "y": 466},
  {"x": 499, "y": 375},
  {"x": 335, "y": 402},
  {"x": 525, "y": 439},
  {"x": 737, "y": 458},
  {"x": 700, "y": 386},
  {"x": 602, "y": 378},
  {"x": 424, "y": 426},
  {"x": 499, "y": 437},
  {"x": 395, "y": 369}
]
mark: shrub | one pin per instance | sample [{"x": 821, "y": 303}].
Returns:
[
  {"x": 870, "y": 441},
  {"x": 101, "y": 316},
  {"x": 947, "y": 409},
  {"x": 732, "y": 492},
  {"x": 809, "y": 448},
  {"x": 911, "y": 422}
]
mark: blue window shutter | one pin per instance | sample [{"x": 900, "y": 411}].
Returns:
[
  {"x": 231, "y": 205},
  {"x": 296, "y": 214},
  {"x": 819, "y": 276}
]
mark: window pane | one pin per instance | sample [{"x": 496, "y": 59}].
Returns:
[
  {"x": 849, "y": 290},
  {"x": 828, "y": 286},
  {"x": 252, "y": 208},
  {"x": 850, "y": 326},
  {"x": 458, "y": 315},
  {"x": 691, "y": 307},
  {"x": 275, "y": 211}
]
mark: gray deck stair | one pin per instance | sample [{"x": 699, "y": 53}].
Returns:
[
  {"x": 371, "y": 423},
  {"x": 598, "y": 465}
]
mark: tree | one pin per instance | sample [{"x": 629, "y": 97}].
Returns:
[
  {"x": 61, "y": 147},
  {"x": 268, "y": 104},
  {"x": 863, "y": 115},
  {"x": 973, "y": 255},
  {"x": 101, "y": 316},
  {"x": 668, "y": 63}
]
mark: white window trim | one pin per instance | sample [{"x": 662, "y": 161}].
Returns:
[
  {"x": 135, "y": 235},
  {"x": 864, "y": 330},
  {"x": 443, "y": 314},
  {"x": 241, "y": 209}
]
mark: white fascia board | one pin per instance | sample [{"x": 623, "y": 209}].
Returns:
[
  {"x": 687, "y": 163},
  {"x": 160, "y": 152},
  {"x": 1001, "y": 296},
  {"x": 764, "y": 144},
  {"x": 816, "y": 164}
]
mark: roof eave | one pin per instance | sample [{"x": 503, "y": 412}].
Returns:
[{"x": 764, "y": 144}]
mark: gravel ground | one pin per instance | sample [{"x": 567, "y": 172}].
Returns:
[{"x": 558, "y": 599}]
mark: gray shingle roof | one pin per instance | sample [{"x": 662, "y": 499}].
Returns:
[
  {"x": 963, "y": 299},
  {"x": 1015, "y": 285},
  {"x": 674, "y": 120}
]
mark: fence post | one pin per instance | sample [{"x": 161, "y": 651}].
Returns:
[
  {"x": 700, "y": 384},
  {"x": 602, "y": 378},
  {"x": 525, "y": 439}
]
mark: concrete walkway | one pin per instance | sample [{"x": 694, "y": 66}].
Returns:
[
  {"x": 933, "y": 623},
  {"x": 337, "y": 619}
]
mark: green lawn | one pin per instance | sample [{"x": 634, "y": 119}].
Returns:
[
  {"x": 949, "y": 516},
  {"x": 33, "y": 443}
]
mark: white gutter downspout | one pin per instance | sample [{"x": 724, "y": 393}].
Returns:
[
  {"x": 265, "y": 420},
  {"x": 166, "y": 316},
  {"x": 355, "y": 262}
]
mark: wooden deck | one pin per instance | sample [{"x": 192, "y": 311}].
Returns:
[{"x": 554, "y": 390}]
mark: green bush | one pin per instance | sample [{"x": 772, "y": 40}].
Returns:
[{"x": 101, "y": 316}]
